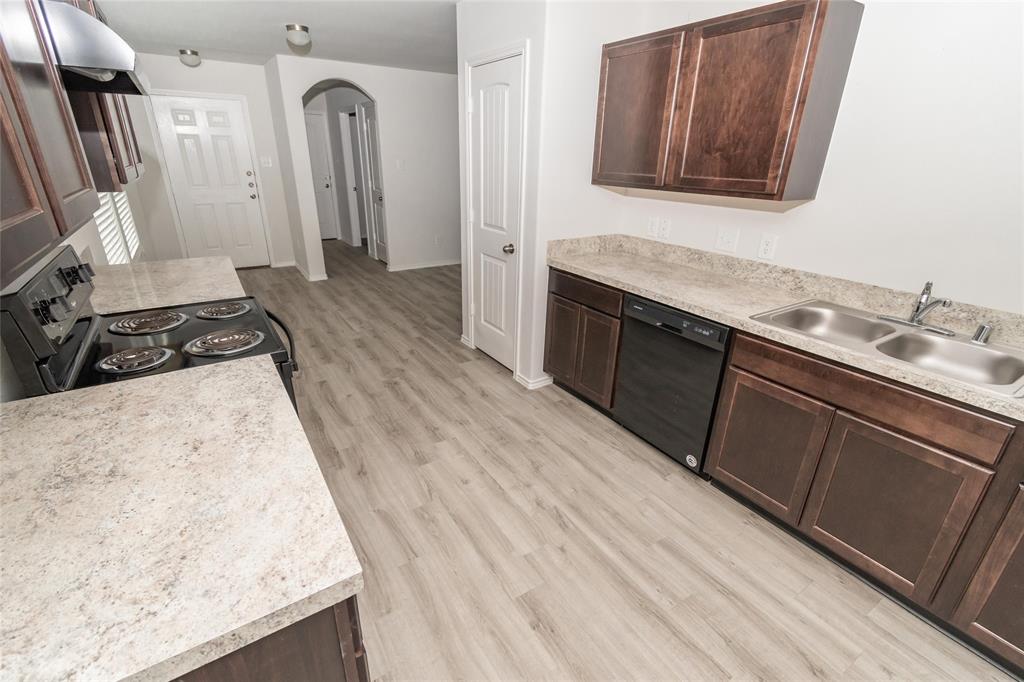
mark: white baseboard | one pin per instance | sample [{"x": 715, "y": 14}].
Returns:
[
  {"x": 419, "y": 266},
  {"x": 466, "y": 342},
  {"x": 283, "y": 264},
  {"x": 533, "y": 384},
  {"x": 310, "y": 278}
]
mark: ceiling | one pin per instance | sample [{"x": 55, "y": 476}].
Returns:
[{"x": 417, "y": 34}]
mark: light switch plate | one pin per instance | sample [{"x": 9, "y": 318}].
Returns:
[
  {"x": 664, "y": 228},
  {"x": 652, "y": 227},
  {"x": 766, "y": 250},
  {"x": 728, "y": 239},
  {"x": 266, "y": 162}
]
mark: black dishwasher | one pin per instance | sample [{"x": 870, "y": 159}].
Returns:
[{"x": 670, "y": 366}]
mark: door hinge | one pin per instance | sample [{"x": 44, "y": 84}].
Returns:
[
  {"x": 472, "y": 215},
  {"x": 469, "y": 105}
]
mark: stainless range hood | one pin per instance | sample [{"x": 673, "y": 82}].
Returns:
[{"x": 90, "y": 54}]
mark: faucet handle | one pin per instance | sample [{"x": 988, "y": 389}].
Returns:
[{"x": 981, "y": 334}]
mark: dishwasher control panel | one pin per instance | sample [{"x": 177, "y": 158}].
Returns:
[{"x": 677, "y": 322}]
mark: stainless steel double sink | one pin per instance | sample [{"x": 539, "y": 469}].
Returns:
[{"x": 990, "y": 366}]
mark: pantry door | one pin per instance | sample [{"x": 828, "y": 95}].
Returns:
[
  {"x": 496, "y": 146},
  {"x": 207, "y": 147}
]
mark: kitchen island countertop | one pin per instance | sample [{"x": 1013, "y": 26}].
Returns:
[{"x": 153, "y": 525}]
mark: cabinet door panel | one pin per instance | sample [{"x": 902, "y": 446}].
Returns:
[
  {"x": 27, "y": 225},
  {"x": 892, "y": 506},
  {"x": 735, "y": 112},
  {"x": 561, "y": 339},
  {"x": 39, "y": 97},
  {"x": 597, "y": 356},
  {"x": 992, "y": 610},
  {"x": 767, "y": 442},
  {"x": 634, "y": 110}
]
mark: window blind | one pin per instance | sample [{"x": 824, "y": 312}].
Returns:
[
  {"x": 114, "y": 245},
  {"x": 124, "y": 216}
]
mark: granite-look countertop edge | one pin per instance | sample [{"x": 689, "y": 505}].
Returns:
[
  {"x": 158, "y": 284},
  {"x": 153, "y": 525},
  {"x": 732, "y": 301}
]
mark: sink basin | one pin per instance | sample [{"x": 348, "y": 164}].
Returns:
[
  {"x": 955, "y": 359},
  {"x": 831, "y": 323}
]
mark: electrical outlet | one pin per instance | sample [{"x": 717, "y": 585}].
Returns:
[
  {"x": 266, "y": 162},
  {"x": 728, "y": 239},
  {"x": 766, "y": 250},
  {"x": 664, "y": 228},
  {"x": 652, "y": 227}
]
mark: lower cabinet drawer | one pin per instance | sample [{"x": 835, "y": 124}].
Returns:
[{"x": 894, "y": 507}]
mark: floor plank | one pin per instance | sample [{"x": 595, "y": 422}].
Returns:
[{"x": 516, "y": 534}]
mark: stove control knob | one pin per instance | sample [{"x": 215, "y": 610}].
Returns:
[
  {"x": 70, "y": 275},
  {"x": 85, "y": 272},
  {"x": 59, "y": 308},
  {"x": 42, "y": 309}
]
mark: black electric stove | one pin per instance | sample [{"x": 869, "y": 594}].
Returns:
[{"x": 56, "y": 343}]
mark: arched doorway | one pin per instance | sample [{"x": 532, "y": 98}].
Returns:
[{"x": 342, "y": 132}]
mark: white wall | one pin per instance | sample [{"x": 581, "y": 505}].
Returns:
[
  {"x": 923, "y": 178},
  {"x": 151, "y": 204},
  {"x": 416, "y": 112}
]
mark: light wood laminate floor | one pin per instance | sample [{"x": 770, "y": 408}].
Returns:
[{"x": 515, "y": 534}]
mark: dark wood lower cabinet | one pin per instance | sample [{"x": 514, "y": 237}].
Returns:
[
  {"x": 581, "y": 341},
  {"x": 892, "y": 506},
  {"x": 325, "y": 646},
  {"x": 768, "y": 442},
  {"x": 597, "y": 356},
  {"x": 992, "y": 610}
]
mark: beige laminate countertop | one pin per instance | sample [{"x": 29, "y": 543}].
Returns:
[
  {"x": 153, "y": 525},
  {"x": 680, "y": 277},
  {"x": 156, "y": 284}
]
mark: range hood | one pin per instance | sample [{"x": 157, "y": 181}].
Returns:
[{"x": 91, "y": 56}]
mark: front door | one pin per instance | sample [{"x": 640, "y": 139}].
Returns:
[
  {"x": 206, "y": 145},
  {"x": 323, "y": 184},
  {"x": 496, "y": 121}
]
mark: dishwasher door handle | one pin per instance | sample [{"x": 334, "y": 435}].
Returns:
[{"x": 669, "y": 328}]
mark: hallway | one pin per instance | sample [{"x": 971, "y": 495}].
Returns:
[{"x": 515, "y": 534}]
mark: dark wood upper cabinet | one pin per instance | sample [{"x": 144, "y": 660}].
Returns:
[
  {"x": 754, "y": 98},
  {"x": 107, "y": 132},
  {"x": 766, "y": 442},
  {"x": 27, "y": 224},
  {"x": 634, "y": 111},
  {"x": 42, "y": 106},
  {"x": 892, "y": 506},
  {"x": 992, "y": 610}
]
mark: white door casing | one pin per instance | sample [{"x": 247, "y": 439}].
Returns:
[
  {"x": 206, "y": 144},
  {"x": 369, "y": 148},
  {"x": 322, "y": 164},
  {"x": 496, "y": 138},
  {"x": 345, "y": 125}
]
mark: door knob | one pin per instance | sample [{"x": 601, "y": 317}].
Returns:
[
  {"x": 252, "y": 196},
  {"x": 509, "y": 248}
]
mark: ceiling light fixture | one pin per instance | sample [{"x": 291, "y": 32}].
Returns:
[
  {"x": 190, "y": 57},
  {"x": 298, "y": 35}
]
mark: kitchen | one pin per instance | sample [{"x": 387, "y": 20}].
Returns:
[{"x": 855, "y": 507}]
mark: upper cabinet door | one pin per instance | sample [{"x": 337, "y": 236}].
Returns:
[
  {"x": 737, "y": 106},
  {"x": 27, "y": 225},
  {"x": 634, "y": 110},
  {"x": 38, "y": 96}
]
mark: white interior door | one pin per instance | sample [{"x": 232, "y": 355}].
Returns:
[
  {"x": 360, "y": 181},
  {"x": 354, "y": 234},
  {"x": 496, "y": 123},
  {"x": 370, "y": 148},
  {"x": 322, "y": 163},
  {"x": 206, "y": 143}
]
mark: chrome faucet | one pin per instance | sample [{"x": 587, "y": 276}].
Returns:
[{"x": 925, "y": 304}]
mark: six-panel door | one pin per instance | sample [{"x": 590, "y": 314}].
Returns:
[
  {"x": 892, "y": 506},
  {"x": 766, "y": 442},
  {"x": 992, "y": 610},
  {"x": 741, "y": 80},
  {"x": 634, "y": 110}
]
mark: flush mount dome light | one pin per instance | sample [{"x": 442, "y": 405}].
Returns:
[
  {"x": 189, "y": 57},
  {"x": 298, "y": 35}
]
